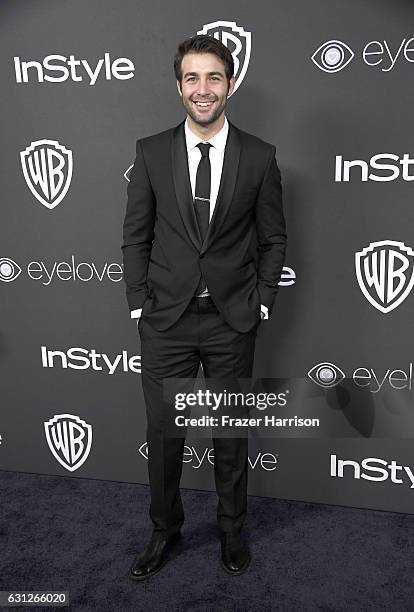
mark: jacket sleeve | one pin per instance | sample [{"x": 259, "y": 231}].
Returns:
[
  {"x": 271, "y": 233},
  {"x": 138, "y": 231}
]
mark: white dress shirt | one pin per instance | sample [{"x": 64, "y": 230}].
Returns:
[
  {"x": 216, "y": 154},
  {"x": 218, "y": 142}
]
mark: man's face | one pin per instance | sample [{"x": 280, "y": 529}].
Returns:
[{"x": 204, "y": 80}]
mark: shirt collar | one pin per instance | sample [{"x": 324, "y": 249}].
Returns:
[{"x": 218, "y": 141}]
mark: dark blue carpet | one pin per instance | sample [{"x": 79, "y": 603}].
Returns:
[{"x": 82, "y": 536}]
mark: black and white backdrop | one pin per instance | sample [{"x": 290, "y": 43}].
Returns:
[{"x": 330, "y": 84}]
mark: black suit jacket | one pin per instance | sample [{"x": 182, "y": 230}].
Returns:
[{"x": 243, "y": 253}]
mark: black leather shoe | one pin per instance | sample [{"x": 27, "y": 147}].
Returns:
[
  {"x": 235, "y": 555},
  {"x": 154, "y": 557}
]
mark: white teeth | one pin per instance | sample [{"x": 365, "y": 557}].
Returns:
[{"x": 203, "y": 103}]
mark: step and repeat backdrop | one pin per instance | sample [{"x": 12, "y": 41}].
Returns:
[{"x": 331, "y": 85}]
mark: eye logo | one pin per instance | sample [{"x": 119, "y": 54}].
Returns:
[
  {"x": 127, "y": 173},
  {"x": 332, "y": 56},
  {"x": 143, "y": 449},
  {"x": 326, "y": 375},
  {"x": 9, "y": 270}
]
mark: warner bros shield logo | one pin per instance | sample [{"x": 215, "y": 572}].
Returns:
[
  {"x": 47, "y": 169},
  {"x": 385, "y": 273},
  {"x": 70, "y": 440},
  {"x": 238, "y": 42}
]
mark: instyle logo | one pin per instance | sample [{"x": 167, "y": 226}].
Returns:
[
  {"x": 47, "y": 169},
  {"x": 59, "y": 68},
  {"x": 385, "y": 273},
  {"x": 237, "y": 40},
  {"x": 387, "y": 171},
  {"x": 72, "y": 270},
  {"x": 328, "y": 375},
  {"x": 205, "y": 456},
  {"x": 334, "y": 55},
  {"x": 76, "y": 358},
  {"x": 373, "y": 469},
  {"x": 69, "y": 439}
]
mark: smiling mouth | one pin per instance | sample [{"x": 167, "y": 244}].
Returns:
[{"x": 200, "y": 104}]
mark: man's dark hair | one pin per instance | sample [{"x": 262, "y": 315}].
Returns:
[{"x": 202, "y": 43}]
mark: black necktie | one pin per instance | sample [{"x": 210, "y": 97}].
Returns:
[
  {"x": 202, "y": 198},
  {"x": 202, "y": 189}
]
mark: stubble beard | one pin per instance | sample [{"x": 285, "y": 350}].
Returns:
[{"x": 204, "y": 120}]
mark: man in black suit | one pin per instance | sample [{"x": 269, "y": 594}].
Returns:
[{"x": 204, "y": 246}]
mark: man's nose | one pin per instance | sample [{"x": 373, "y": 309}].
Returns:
[{"x": 203, "y": 86}]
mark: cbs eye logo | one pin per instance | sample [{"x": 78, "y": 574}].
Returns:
[
  {"x": 332, "y": 56},
  {"x": 326, "y": 375},
  {"x": 9, "y": 270}
]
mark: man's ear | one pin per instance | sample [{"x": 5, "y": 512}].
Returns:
[
  {"x": 232, "y": 84},
  {"x": 179, "y": 87}
]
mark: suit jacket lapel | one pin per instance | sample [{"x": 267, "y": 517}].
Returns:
[
  {"x": 182, "y": 185},
  {"x": 183, "y": 191},
  {"x": 227, "y": 185}
]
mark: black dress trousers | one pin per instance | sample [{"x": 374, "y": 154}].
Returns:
[{"x": 200, "y": 335}]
